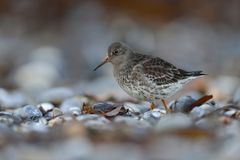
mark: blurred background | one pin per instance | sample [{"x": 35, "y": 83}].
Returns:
[
  {"x": 50, "y": 43},
  {"x": 53, "y": 106}
]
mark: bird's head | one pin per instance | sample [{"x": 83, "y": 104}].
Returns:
[{"x": 117, "y": 54}]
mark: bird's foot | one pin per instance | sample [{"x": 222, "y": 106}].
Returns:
[
  {"x": 152, "y": 106},
  {"x": 168, "y": 110}
]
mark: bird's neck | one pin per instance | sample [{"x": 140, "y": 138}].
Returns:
[{"x": 120, "y": 64}]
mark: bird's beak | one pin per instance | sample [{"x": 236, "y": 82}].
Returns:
[{"x": 106, "y": 59}]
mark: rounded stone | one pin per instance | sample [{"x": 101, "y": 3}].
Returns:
[
  {"x": 182, "y": 104},
  {"x": 55, "y": 113},
  {"x": 28, "y": 112},
  {"x": 152, "y": 116},
  {"x": 73, "y": 105},
  {"x": 45, "y": 107}
]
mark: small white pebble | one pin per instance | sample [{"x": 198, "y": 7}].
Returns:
[
  {"x": 156, "y": 114},
  {"x": 230, "y": 113},
  {"x": 46, "y": 107}
]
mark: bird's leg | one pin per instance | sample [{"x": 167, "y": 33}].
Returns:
[
  {"x": 165, "y": 106},
  {"x": 152, "y": 106}
]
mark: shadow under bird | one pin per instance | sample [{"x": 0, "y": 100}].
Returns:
[{"x": 145, "y": 77}]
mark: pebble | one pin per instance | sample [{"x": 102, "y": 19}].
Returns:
[
  {"x": 103, "y": 107},
  {"x": 75, "y": 111},
  {"x": 109, "y": 109},
  {"x": 56, "y": 95},
  {"x": 182, "y": 104},
  {"x": 28, "y": 112},
  {"x": 208, "y": 107},
  {"x": 36, "y": 126},
  {"x": 202, "y": 110},
  {"x": 197, "y": 112},
  {"x": 43, "y": 121},
  {"x": 73, "y": 105},
  {"x": 237, "y": 115},
  {"x": 8, "y": 118},
  {"x": 55, "y": 113},
  {"x": 45, "y": 107},
  {"x": 55, "y": 121},
  {"x": 152, "y": 116},
  {"x": 230, "y": 113}
]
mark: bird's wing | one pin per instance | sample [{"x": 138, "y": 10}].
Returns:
[{"x": 158, "y": 71}]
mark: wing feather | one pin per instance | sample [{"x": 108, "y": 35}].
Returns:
[{"x": 158, "y": 71}]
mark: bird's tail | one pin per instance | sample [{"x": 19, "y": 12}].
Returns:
[{"x": 192, "y": 73}]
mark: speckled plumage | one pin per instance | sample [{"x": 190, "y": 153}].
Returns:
[{"x": 146, "y": 77}]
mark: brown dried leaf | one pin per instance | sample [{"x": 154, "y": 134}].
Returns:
[
  {"x": 87, "y": 110},
  {"x": 105, "y": 109},
  {"x": 199, "y": 102}
]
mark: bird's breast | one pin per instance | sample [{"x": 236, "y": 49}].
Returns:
[{"x": 129, "y": 85}]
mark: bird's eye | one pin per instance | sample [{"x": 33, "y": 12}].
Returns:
[{"x": 115, "y": 52}]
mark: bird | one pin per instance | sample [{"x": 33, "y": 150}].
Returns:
[{"x": 146, "y": 77}]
